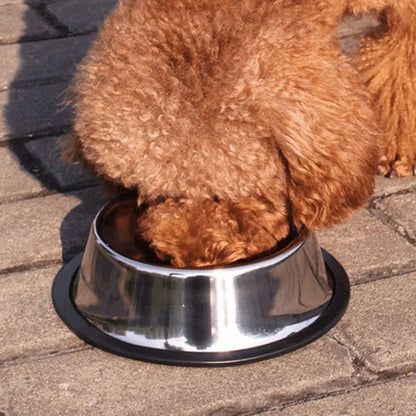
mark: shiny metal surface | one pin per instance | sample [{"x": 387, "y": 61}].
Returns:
[{"x": 203, "y": 310}]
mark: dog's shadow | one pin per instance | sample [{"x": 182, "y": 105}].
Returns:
[{"x": 36, "y": 121}]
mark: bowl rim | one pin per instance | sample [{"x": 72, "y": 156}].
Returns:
[{"x": 269, "y": 260}]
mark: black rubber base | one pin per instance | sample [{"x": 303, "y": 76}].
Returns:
[{"x": 66, "y": 309}]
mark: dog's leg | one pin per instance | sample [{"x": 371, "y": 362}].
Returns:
[{"x": 387, "y": 65}]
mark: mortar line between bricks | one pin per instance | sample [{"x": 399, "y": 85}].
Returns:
[
  {"x": 363, "y": 366},
  {"x": 389, "y": 221},
  {"x": 44, "y": 355},
  {"x": 29, "y": 38},
  {"x": 46, "y": 38},
  {"x": 42, "y": 194},
  {"x": 37, "y": 82},
  {"x": 379, "y": 198},
  {"x": 341, "y": 384},
  {"x": 358, "y": 361},
  {"x": 50, "y": 18},
  {"x": 29, "y": 161},
  {"x": 290, "y": 400},
  {"x": 42, "y": 264},
  {"x": 41, "y": 38},
  {"x": 334, "y": 393},
  {"x": 372, "y": 278},
  {"x": 49, "y": 192},
  {"x": 40, "y": 134}
]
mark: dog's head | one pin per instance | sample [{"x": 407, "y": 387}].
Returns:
[{"x": 221, "y": 103}]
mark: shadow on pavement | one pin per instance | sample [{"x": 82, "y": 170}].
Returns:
[{"x": 37, "y": 121}]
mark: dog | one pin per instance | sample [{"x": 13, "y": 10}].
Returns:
[{"x": 240, "y": 121}]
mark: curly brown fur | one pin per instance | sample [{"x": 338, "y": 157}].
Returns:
[
  {"x": 232, "y": 118},
  {"x": 387, "y": 65},
  {"x": 203, "y": 232}
]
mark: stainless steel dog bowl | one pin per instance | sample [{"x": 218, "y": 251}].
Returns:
[{"x": 243, "y": 312}]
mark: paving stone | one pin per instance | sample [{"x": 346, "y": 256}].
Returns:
[
  {"x": 388, "y": 186},
  {"x": 31, "y": 110},
  {"x": 381, "y": 323},
  {"x": 401, "y": 208},
  {"x": 19, "y": 21},
  {"x": 94, "y": 382},
  {"x": 352, "y": 28},
  {"x": 396, "y": 398},
  {"x": 31, "y": 2},
  {"x": 367, "y": 248},
  {"x": 82, "y": 16},
  {"x": 30, "y": 61},
  {"x": 46, "y": 228},
  {"x": 349, "y": 45},
  {"x": 4, "y": 2},
  {"x": 28, "y": 322},
  {"x": 48, "y": 152},
  {"x": 357, "y": 25},
  {"x": 15, "y": 181}
]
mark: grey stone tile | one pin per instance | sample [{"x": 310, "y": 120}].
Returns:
[
  {"x": 4, "y": 2},
  {"x": 395, "y": 398},
  {"x": 45, "y": 229},
  {"x": 349, "y": 45},
  {"x": 28, "y": 322},
  {"x": 401, "y": 208},
  {"x": 82, "y": 16},
  {"x": 31, "y": 2},
  {"x": 37, "y": 166},
  {"x": 367, "y": 248},
  {"x": 352, "y": 28},
  {"x": 47, "y": 59},
  {"x": 388, "y": 186},
  {"x": 381, "y": 323},
  {"x": 357, "y": 25},
  {"x": 18, "y": 21},
  {"x": 48, "y": 152},
  {"x": 94, "y": 382},
  {"x": 31, "y": 110},
  {"x": 15, "y": 180}
]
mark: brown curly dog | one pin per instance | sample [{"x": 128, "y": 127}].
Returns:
[{"x": 236, "y": 119}]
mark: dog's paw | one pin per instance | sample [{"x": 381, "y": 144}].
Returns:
[{"x": 396, "y": 169}]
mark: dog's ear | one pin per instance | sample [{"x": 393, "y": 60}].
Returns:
[{"x": 328, "y": 142}]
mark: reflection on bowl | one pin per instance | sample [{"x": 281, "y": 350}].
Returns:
[{"x": 125, "y": 292}]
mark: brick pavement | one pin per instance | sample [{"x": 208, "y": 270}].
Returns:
[{"x": 364, "y": 366}]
